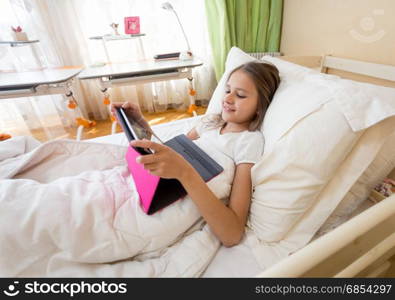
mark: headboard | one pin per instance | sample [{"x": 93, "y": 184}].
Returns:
[{"x": 348, "y": 68}]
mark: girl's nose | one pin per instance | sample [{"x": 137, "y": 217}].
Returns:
[{"x": 229, "y": 98}]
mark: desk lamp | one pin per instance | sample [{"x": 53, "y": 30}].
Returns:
[{"x": 185, "y": 55}]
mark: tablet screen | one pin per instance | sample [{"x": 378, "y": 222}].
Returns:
[
  {"x": 137, "y": 130},
  {"x": 132, "y": 129}
]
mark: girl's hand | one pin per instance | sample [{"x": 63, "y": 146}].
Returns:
[
  {"x": 165, "y": 162},
  {"x": 132, "y": 110}
]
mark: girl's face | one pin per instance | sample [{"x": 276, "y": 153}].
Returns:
[{"x": 241, "y": 99}]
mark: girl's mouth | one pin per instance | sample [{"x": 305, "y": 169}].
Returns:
[{"x": 228, "y": 108}]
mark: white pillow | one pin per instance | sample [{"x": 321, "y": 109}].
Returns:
[
  {"x": 372, "y": 103},
  {"x": 380, "y": 167},
  {"x": 307, "y": 170},
  {"x": 364, "y": 104},
  {"x": 288, "y": 70},
  {"x": 292, "y": 201},
  {"x": 293, "y": 100},
  {"x": 296, "y": 167}
]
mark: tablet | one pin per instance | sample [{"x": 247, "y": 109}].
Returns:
[{"x": 132, "y": 129}]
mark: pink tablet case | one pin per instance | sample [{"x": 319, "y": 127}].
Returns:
[{"x": 145, "y": 182}]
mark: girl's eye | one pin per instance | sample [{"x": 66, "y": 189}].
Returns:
[{"x": 238, "y": 95}]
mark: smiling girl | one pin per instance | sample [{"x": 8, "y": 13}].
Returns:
[{"x": 235, "y": 132}]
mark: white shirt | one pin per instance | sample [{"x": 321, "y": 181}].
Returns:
[{"x": 241, "y": 147}]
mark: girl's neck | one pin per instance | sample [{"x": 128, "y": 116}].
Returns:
[{"x": 234, "y": 127}]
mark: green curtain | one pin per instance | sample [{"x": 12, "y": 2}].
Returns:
[{"x": 251, "y": 25}]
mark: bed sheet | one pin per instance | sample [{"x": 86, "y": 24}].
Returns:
[{"x": 237, "y": 261}]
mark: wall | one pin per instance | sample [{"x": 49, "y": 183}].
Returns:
[{"x": 359, "y": 29}]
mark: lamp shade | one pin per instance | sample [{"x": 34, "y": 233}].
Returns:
[{"x": 167, "y": 6}]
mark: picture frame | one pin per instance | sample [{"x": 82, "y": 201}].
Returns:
[{"x": 132, "y": 25}]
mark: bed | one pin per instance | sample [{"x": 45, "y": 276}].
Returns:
[
  {"x": 337, "y": 249},
  {"x": 309, "y": 197},
  {"x": 238, "y": 261}
]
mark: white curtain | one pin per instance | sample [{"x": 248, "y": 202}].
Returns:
[
  {"x": 45, "y": 117},
  {"x": 65, "y": 26}
]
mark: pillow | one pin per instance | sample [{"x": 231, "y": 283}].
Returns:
[
  {"x": 369, "y": 109},
  {"x": 299, "y": 183},
  {"x": 296, "y": 167},
  {"x": 288, "y": 70},
  {"x": 363, "y": 104},
  {"x": 293, "y": 101},
  {"x": 380, "y": 167}
]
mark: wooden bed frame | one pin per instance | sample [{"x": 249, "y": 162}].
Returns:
[{"x": 364, "y": 246}]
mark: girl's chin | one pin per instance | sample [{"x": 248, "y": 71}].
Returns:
[
  {"x": 228, "y": 118},
  {"x": 225, "y": 116}
]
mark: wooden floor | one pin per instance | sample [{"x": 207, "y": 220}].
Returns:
[{"x": 104, "y": 127}]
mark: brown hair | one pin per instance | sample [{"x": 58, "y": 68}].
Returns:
[{"x": 266, "y": 79}]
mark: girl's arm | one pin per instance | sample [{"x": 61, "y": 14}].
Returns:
[
  {"x": 192, "y": 134},
  {"x": 227, "y": 222}
]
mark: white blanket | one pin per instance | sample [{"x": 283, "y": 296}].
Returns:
[{"x": 71, "y": 209}]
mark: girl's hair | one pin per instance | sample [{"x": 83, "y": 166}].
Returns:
[{"x": 266, "y": 79}]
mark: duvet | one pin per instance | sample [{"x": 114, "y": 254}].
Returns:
[{"x": 70, "y": 209}]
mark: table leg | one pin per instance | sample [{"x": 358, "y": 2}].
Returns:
[
  {"x": 73, "y": 105},
  {"x": 192, "y": 96},
  {"x": 106, "y": 51},
  {"x": 107, "y": 102},
  {"x": 142, "y": 52},
  {"x": 79, "y": 133},
  {"x": 36, "y": 55}
]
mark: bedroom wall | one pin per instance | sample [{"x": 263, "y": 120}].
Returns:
[{"x": 359, "y": 29}]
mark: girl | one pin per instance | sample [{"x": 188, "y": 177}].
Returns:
[{"x": 249, "y": 91}]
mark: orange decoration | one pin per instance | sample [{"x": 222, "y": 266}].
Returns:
[
  {"x": 106, "y": 101},
  {"x": 192, "y": 92},
  {"x": 112, "y": 118},
  {"x": 84, "y": 122},
  {"x": 192, "y": 108},
  {"x": 72, "y": 104},
  {"x": 4, "y": 136}
]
